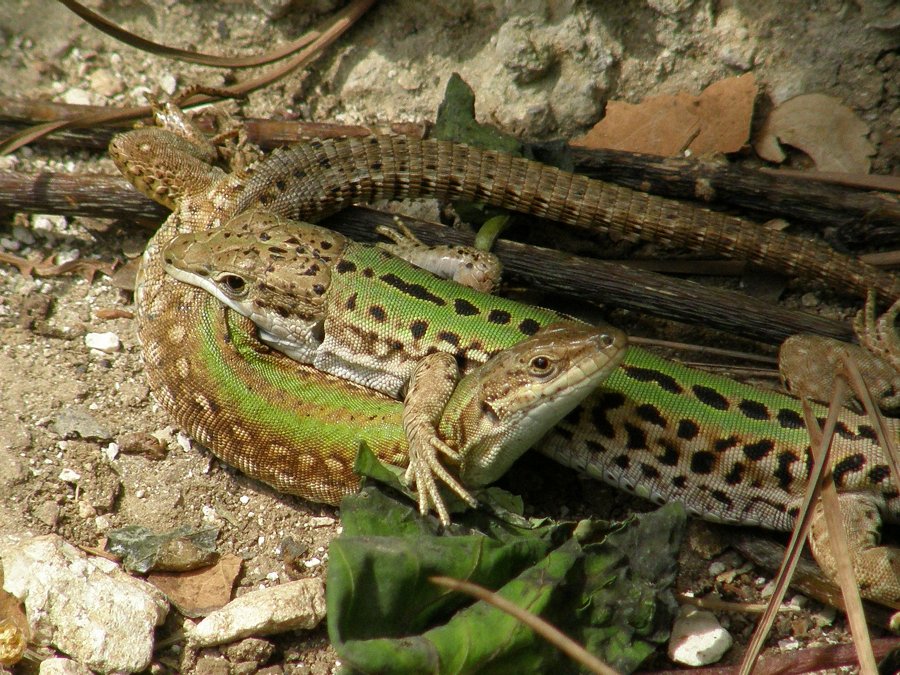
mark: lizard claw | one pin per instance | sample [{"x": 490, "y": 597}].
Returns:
[
  {"x": 879, "y": 334},
  {"x": 424, "y": 471}
]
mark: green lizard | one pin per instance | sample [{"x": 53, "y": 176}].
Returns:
[{"x": 729, "y": 452}]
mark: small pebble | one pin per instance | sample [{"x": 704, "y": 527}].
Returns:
[
  {"x": 69, "y": 476},
  {"x": 48, "y": 223},
  {"x": 105, "y": 82},
  {"x": 697, "y": 638},
  {"x": 321, "y": 521},
  {"x": 104, "y": 342},
  {"x": 76, "y": 96},
  {"x": 716, "y": 568},
  {"x": 809, "y": 300},
  {"x": 168, "y": 83}
]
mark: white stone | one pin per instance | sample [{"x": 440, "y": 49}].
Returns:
[
  {"x": 321, "y": 521},
  {"x": 168, "y": 83},
  {"x": 23, "y": 235},
  {"x": 76, "y": 96},
  {"x": 108, "y": 343},
  {"x": 85, "y": 607},
  {"x": 48, "y": 223},
  {"x": 697, "y": 638},
  {"x": 69, "y": 476},
  {"x": 296, "y": 604},
  {"x": 111, "y": 451},
  {"x": 105, "y": 82}
]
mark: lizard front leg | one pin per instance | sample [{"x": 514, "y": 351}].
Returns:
[
  {"x": 809, "y": 363},
  {"x": 466, "y": 265},
  {"x": 877, "y": 568},
  {"x": 430, "y": 388}
]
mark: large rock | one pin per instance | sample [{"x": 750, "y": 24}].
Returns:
[{"x": 85, "y": 607}]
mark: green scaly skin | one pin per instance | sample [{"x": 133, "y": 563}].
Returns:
[{"x": 730, "y": 452}]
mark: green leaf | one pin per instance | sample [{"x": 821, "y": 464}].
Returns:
[
  {"x": 384, "y": 615},
  {"x": 456, "y": 121}
]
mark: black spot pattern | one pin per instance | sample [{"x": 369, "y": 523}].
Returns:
[
  {"x": 879, "y": 473},
  {"x": 636, "y": 438},
  {"x": 649, "y": 471},
  {"x": 464, "y": 307},
  {"x": 790, "y": 419},
  {"x": 702, "y": 462},
  {"x": 687, "y": 429},
  {"x": 753, "y": 409},
  {"x": 417, "y": 291},
  {"x": 665, "y": 382},
  {"x": 418, "y": 329},
  {"x": 736, "y": 474},
  {"x": 846, "y": 466},
  {"x": 594, "y": 446},
  {"x": 670, "y": 454},
  {"x": 345, "y": 267},
  {"x": 679, "y": 482},
  {"x": 650, "y": 413},
  {"x": 783, "y": 472},
  {"x": 499, "y": 316},
  {"x": 622, "y": 461},
  {"x": 449, "y": 337},
  {"x": 720, "y": 496},
  {"x": 377, "y": 312},
  {"x": 709, "y": 396},
  {"x": 601, "y": 423},
  {"x": 351, "y": 302},
  {"x": 723, "y": 444},
  {"x": 757, "y": 451},
  {"x": 529, "y": 326}
]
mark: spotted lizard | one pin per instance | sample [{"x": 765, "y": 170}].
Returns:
[{"x": 729, "y": 452}]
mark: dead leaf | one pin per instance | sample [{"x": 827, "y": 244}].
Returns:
[
  {"x": 14, "y": 629},
  {"x": 199, "y": 592},
  {"x": 822, "y": 127},
  {"x": 718, "y": 120}
]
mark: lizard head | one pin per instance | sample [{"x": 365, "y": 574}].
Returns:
[{"x": 272, "y": 270}]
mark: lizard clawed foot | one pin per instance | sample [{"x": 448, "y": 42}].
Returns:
[
  {"x": 879, "y": 335},
  {"x": 430, "y": 387},
  {"x": 809, "y": 363},
  {"x": 423, "y": 471},
  {"x": 480, "y": 270}
]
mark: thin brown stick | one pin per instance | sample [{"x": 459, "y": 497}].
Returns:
[
  {"x": 846, "y": 577},
  {"x": 791, "y": 196},
  {"x": 798, "y": 535},
  {"x": 133, "y": 40}
]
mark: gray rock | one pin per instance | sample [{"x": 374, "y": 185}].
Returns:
[{"x": 85, "y": 607}]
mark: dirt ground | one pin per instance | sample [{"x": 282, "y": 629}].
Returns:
[{"x": 540, "y": 69}]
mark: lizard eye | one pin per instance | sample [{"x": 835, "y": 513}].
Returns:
[
  {"x": 540, "y": 365},
  {"x": 233, "y": 285}
]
